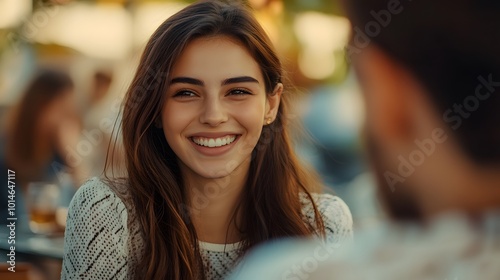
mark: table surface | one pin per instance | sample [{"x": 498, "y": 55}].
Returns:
[{"x": 35, "y": 244}]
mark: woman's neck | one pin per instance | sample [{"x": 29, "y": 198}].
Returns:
[{"x": 214, "y": 202}]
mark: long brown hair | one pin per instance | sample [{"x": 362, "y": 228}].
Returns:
[{"x": 271, "y": 207}]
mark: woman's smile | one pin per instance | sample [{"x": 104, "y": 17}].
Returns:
[
  {"x": 213, "y": 142},
  {"x": 214, "y": 146}
]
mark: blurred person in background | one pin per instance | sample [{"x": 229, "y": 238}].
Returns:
[
  {"x": 101, "y": 83},
  {"x": 38, "y": 132},
  {"x": 431, "y": 80},
  {"x": 100, "y": 117},
  {"x": 211, "y": 172}
]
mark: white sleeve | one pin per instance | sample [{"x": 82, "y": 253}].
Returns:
[{"x": 95, "y": 242}]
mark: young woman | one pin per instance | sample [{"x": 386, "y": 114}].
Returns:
[{"x": 211, "y": 172}]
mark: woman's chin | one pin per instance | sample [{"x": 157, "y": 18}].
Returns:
[{"x": 213, "y": 173}]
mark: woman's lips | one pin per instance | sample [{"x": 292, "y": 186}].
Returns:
[
  {"x": 214, "y": 146},
  {"x": 214, "y": 142}
]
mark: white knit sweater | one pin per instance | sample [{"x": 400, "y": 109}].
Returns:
[{"x": 103, "y": 238}]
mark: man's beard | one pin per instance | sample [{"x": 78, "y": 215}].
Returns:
[{"x": 399, "y": 202}]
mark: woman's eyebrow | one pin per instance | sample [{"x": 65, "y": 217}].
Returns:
[
  {"x": 187, "y": 80},
  {"x": 234, "y": 80},
  {"x": 241, "y": 79}
]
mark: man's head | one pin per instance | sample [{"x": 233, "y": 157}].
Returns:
[{"x": 430, "y": 71}]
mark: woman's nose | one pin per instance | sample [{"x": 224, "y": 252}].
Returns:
[{"x": 214, "y": 112}]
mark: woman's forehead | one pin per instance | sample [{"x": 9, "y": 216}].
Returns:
[{"x": 217, "y": 57}]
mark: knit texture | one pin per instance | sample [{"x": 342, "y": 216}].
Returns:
[{"x": 103, "y": 239}]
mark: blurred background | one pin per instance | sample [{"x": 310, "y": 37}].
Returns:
[{"x": 55, "y": 127}]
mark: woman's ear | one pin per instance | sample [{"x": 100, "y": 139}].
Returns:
[{"x": 273, "y": 103}]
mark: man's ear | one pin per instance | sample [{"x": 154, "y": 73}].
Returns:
[
  {"x": 273, "y": 103},
  {"x": 389, "y": 95}
]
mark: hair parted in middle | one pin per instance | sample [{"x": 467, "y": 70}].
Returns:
[{"x": 270, "y": 201}]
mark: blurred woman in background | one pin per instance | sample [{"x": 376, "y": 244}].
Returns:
[{"x": 39, "y": 129}]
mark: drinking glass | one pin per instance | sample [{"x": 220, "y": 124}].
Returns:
[{"x": 43, "y": 202}]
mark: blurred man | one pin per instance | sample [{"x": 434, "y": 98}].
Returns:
[{"x": 430, "y": 72}]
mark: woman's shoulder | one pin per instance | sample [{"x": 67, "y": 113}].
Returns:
[
  {"x": 96, "y": 216},
  {"x": 334, "y": 211},
  {"x": 95, "y": 188},
  {"x": 97, "y": 234},
  {"x": 327, "y": 204},
  {"x": 97, "y": 194}
]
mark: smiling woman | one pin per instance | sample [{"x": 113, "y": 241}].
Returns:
[
  {"x": 211, "y": 172},
  {"x": 204, "y": 107}
]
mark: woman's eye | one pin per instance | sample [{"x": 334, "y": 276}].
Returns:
[
  {"x": 185, "y": 93},
  {"x": 239, "y": 92}
]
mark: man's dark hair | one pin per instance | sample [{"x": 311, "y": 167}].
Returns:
[{"x": 453, "y": 49}]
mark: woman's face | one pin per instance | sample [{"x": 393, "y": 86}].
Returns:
[
  {"x": 60, "y": 109},
  {"x": 216, "y": 106}
]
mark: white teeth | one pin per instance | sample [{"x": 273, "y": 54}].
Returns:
[{"x": 214, "y": 142}]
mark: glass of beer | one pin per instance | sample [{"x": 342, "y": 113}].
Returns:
[{"x": 43, "y": 201}]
